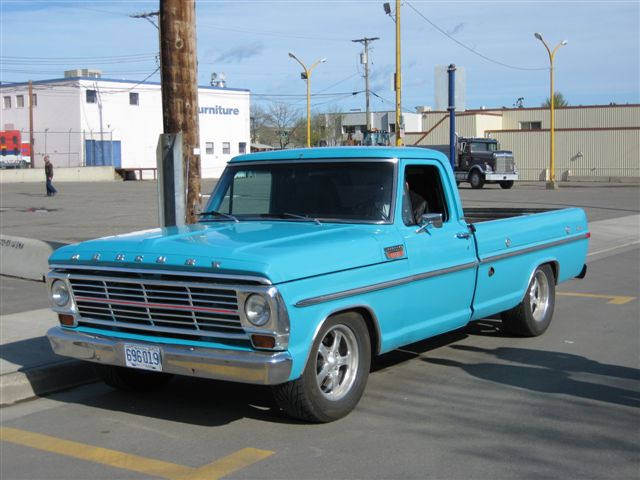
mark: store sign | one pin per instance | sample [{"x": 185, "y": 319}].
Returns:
[{"x": 219, "y": 110}]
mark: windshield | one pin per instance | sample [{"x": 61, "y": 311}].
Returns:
[
  {"x": 484, "y": 146},
  {"x": 305, "y": 191}
]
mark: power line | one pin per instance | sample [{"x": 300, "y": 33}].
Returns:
[{"x": 469, "y": 48}]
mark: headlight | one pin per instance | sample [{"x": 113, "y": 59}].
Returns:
[
  {"x": 257, "y": 310},
  {"x": 60, "y": 293}
]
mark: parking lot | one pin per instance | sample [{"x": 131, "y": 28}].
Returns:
[{"x": 474, "y": 403}]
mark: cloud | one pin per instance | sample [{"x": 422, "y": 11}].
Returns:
[
  {"x": 457, "y": 29},
  {"x": 241, "y": 52}
]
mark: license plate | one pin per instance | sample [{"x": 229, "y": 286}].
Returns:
[{"x": 143, "y": 357}]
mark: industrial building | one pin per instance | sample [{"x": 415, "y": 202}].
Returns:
[
  {"x": 599, "y": 141},
  {"x": 86, "y": 120}
]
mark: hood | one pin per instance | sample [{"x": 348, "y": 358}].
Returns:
[{"x": 279, "y": 251}]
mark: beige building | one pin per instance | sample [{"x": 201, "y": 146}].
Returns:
[{"x": 591, "y": 141}]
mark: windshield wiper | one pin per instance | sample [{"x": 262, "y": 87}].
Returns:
[
  {"x": 301, "y": 217},
  {"x": 219, "y": 214}
]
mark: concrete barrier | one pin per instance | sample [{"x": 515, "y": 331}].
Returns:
[
  {"x": 25, "y": 257},
  {"x": 72, "y": 174}
]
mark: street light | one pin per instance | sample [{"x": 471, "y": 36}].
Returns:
[
  {"x": 551, "y": 184},
  {"x": 306, "y": 75}
]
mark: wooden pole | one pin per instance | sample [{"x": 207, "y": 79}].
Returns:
[{"x": 179, "y": 77}]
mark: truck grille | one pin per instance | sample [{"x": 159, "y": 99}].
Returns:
[
  {"x": 505, "y": 164},
  {"x": 158, "y": 307}
]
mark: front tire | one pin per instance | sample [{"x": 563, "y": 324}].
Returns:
[
  {"x": 129, "y": 379},
  {"x": 532, "y": 316},
  {"x": 336, "y": 373},
  {"x": 506, "y": 184},
  {"x": 476, "y": 179}
]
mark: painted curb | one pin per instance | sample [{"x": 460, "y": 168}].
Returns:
[{"x": 25, "y": 257}]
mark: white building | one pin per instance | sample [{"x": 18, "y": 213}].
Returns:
[
  {"x": 94, "y": 121},
  {"x": 343, "y": 128}
]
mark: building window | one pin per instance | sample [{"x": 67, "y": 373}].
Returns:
[
  {"x": 242, "y": 147},
  {"x": 34, "y": 100},
  {"x": 20, "y": 101},
  {"x": 530, "y": 125},
  {"x": 226, "y": 148},
  {"x": 6, "y": 102},
  {"x": 208, "y": 148},
  {"x": 92, "y": 96},
  {"x": 134, "y": 98},
  {"x": 348, "y": 129}
]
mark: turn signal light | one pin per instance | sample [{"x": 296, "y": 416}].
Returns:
[
  {"x": 66, "y": 320},
  {"x": 263, "y": 341}
]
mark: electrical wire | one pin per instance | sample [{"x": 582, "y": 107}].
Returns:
[{"x": 467, "y": 47}]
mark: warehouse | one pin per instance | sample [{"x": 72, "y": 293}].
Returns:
[{"x": 86, "y": 120}]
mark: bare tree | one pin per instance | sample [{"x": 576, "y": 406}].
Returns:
[{"x": 283, "y": 123}]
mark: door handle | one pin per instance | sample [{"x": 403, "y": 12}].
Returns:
[{"x": 463, "y": 235}]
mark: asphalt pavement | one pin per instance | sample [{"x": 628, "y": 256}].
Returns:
[{"x": 82, "y": 211}]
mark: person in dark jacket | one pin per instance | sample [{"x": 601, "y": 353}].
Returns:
[{"x": 48, "y": 171}]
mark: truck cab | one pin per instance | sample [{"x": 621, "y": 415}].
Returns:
[{"x": 480, "y": 161}]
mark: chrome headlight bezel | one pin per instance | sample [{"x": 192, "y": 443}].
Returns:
[{"x": 60, "y": 293}]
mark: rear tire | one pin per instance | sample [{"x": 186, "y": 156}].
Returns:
[
  {"x": 506, "y": 184},
  {"x": 532, "y": 316},
  {"x": 336, "y": 373},
  {"x": 476, "y": 179},
  {"x": 122, "y": 378}
]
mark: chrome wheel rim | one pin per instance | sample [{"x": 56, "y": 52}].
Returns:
[
  {"x": 337, "y": 362},
  {"x": 539, "y": 296}
]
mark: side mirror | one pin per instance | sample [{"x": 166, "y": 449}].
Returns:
[{"x": 427, "y": 220}]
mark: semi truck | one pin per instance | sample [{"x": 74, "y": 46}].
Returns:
[
  {"x": 13, "y": 152},
  {"x": 480, "y": 161}
]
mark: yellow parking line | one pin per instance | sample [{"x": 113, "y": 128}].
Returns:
[
  {"x": 613, "y": 299},
  {"x": 135, "y": 463}
]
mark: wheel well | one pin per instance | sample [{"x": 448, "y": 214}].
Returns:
[
  {"x": 555, "y": 268},
  {"x": 369, "y": 320}
]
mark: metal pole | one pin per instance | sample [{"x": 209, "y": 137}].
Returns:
[
  {"x": 31, "y": 141},
  {"x": 398, "y": 79},
  {"x": 452, "y": 115},
  {"x": 308, "y": 74}
]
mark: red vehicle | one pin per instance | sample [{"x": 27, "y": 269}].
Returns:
[{"x": 13, "y": 152}]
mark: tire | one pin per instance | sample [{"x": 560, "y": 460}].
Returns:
[
  {"x": 336, "y": 373},
  {"x": 533, "y": 315},
  {"x": 476, "y": 179},
  {"x": 129, "y": 379},
  {"x": 506, "y": 184}
]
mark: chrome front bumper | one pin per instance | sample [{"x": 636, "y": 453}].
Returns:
[
  {"x": 263, "y": 368},
  {"x": 499, "y": 177}
]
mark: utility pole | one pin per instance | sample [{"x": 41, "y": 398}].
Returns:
[
  {"x": 31, "y": 142},
  {"x": 398, "y": 79},
  {"x": 179, "y": 78},
  {"x": 365, "y": 59}
]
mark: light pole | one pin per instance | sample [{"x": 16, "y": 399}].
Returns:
[
  {"x": 306, "y": 75},
  {"x": 551, "y": 184}
]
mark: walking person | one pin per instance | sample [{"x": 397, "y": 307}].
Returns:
[{"x": 48, "y": 171}]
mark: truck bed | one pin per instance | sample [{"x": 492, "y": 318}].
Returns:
[{"x": 477, "y": 215}]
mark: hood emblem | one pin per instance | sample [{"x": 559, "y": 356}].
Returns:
[
  {"x": 161, "y": 259},
  {"x": 120, "y": 257},
  {"x": 96, "y": 257},
  {"x": 139, "y": 258},
  {"x": 215, "y": 264},
  {"x": 190, "y": 262},
  {"x": 75, "y": 257},
  {"x": 507, "y": 242}
]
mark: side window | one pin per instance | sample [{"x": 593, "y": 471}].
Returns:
[
  {"x": 92, "y": 96},
  {"x": 242, "y": 147},
  {"x": 226, "y": 148},
  {"x": 423, "y": 193},
  {"x": 134, "y": 98},
  {"x": 208, "y": 148}
]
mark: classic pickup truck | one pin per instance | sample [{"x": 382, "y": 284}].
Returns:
[{"x": 305, "y": 264}]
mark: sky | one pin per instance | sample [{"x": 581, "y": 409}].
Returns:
[{"x": 249, "y": 41}]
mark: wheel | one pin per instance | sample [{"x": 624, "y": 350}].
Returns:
[
  {"x": 506, "y": 184},
  {"x": 476, "y": 179},
  {"x": 23, "y": 164},
  {"x": 123, "y": 378},
  {"x": 335, "y": 375},
  {"x": 533, "y": 315}
]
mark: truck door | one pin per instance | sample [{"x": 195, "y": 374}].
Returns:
[{"x": 442, "y": 261}]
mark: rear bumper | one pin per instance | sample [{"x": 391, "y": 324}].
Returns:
[
  {"x": 263, "y": 368},
  {"x": 501, "y": 177}
]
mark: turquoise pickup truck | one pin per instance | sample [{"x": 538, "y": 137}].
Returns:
[{"x": 304, "y": 265}]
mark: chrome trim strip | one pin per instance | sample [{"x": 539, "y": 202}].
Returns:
[
  {"x": 257, "y": 367},
  {"x": 195, "y": 333},
  {"x": 381, "y": 286},
  {"x": 523, "y": 251},
  {"x": 178, "y": 273}
]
